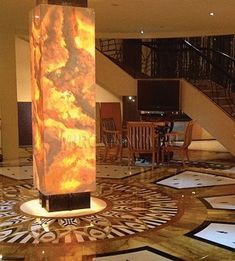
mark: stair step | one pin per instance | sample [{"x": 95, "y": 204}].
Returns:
[
  {"x": 221, "y": 98},
  {"x": 216, "y": 94},
  {"x": 228, "y": 105},
  {"x": 210, "y": 90}
]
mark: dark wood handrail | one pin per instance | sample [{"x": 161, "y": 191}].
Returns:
[
  {"x": 200, "y": 53},
  {"x": 220, "y": 53}
]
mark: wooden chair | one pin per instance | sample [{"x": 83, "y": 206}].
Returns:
[
  {"x": 172, "y": 146},
  {"x": 112, "y": 139},
  {"x": 142, "y": 139}
]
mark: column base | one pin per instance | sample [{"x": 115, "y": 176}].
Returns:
[{"x": 63, "y": 202}]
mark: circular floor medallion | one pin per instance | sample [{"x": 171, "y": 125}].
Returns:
[{"x": 130, "y": 209}]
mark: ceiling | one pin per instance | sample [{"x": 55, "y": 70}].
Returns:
[
  {"x": 126, "y": 18},
  {"x": 163, "y": 18}
]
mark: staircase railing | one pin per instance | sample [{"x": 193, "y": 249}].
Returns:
[
  {"x": 113, "y": 49},
  {"x": 198, "y": 65},
  {"x": 215, "y": 82}
]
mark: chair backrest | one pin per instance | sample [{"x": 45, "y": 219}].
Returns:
[
  {"x": 111, "y": 110},
  {"x": 141, "y": 136},
  {"x": 108, "y": 124},
  {"x": 109, "y": 132},
  {"x": 188, "y": 134}
]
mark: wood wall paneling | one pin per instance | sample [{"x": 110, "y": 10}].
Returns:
[
  {"x": 24, "y": 123},
  {"x": 111, "y": 110}
]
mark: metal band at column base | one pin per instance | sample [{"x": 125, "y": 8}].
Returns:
[{"x": 65, "y": 201}]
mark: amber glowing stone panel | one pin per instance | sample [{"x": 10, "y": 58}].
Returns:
[{"x": 62, "y": 43}]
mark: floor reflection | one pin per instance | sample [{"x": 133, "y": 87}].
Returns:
[{"x": 193, "y": 222}]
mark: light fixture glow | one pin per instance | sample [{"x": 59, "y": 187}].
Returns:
[
  {"x": 211, "y": 14},
  {"x": 141, "y": 31}
]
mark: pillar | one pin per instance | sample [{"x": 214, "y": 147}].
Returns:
[
  {"x": 8, "y": 94},
  {"x": 62, "y": 44}
]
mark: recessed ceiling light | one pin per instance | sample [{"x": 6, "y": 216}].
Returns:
[
  {"x": 141, "y": 31},
  {"x": 211, "y": 14}
]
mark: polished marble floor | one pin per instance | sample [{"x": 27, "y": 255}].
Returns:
[
  {"x": 194, "y": 179},
  {"x": 144, "y": 219}
]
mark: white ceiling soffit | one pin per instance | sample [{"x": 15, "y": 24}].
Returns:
[
  {"x": 163, "y": 18},
  {"x": 127, "y": 18}
]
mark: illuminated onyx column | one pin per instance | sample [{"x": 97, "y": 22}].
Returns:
[{"x": 63, "y": 104}]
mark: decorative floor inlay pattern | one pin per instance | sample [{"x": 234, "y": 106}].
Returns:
[
  {"x": 218, "y": 233},
  {"x": 17, "y": 172},
  {"x": 102, "y": 171},
  {"x": 205, "y": 164},
  {"x": 220, "y": 202},
  {"x": 118, "y": 171},
  {"x": 136, "y": 254},
  {"x": 193, "y": 179},
  {"x": 134, "y": 209},
  {"x": 230, "y": 170}
]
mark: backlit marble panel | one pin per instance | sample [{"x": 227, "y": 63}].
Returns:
[{"x": 63, "y": 98}]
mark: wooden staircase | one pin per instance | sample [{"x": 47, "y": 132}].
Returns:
[
  {"x": 199, "y": 106},
  {"x": 218, "y": 95}
]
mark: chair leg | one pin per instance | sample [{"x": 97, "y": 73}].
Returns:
[
  {"x": 153, "y": 160},
  {"x": 105, "y": 154},
  {"x": 129, "y": 160},
  {"x": 157, "y": 158},
  {"x": 117, "y": 153},
  {"x": 187, "y": 154},
  {"x": 162, "y": 154},
  {"x": 121, "y": 150},
  {"x": 183, "y": 154},
  {"x": 168, "y": 156}
]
